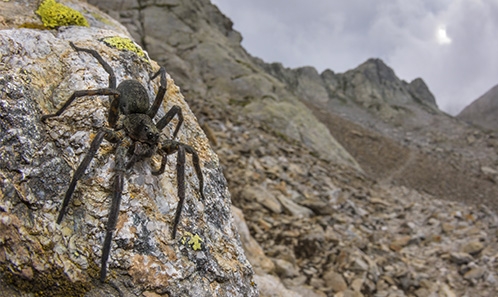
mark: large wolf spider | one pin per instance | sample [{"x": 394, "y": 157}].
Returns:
[{"x": 136, "y": 137}]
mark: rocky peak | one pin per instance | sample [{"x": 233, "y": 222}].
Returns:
[
  {"x": 420, "y": 92},
  {"x": 482, "y": 112},
  {"x": 373, "y": 84},
  {"x": 377, "y": 71}
]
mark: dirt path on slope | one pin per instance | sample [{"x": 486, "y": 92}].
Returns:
[{"x": 387, "y": 161}]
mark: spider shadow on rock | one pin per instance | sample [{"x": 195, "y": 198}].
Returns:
[{"x": 136, "y": 137}]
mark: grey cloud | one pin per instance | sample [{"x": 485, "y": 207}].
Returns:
[{"x": 342, "y": 34}]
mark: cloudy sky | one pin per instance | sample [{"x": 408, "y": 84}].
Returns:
[{"x": 451, "y": 44}]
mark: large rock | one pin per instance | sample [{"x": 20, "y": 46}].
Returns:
[{"x": 39, "y": 71}]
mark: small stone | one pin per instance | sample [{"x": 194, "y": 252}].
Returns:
[
  {"x": 359, "y": 265},
  {"x": 263, "y": 196},
  {"x": 422, "y": 292},
  {"x": 474, "y": 273},
  {"x": 461, "y": 258},
  {"x": 447, "y": 227},
  {"x": 491, "y": 278},
  {"x": 357, "y": 284},
  {"x": 399, "y": 243},
  {"x": 293, "y": 208},
  {"x": 335, "y": 281},
  {"x": 317, "y": 283},
  {"x": 445, "y": 289},
  {"x": 349, "y": 293},
  {"x": 488, "y": 170},
  {"x": 473, "y": 248},
  {"x": 285, "y": 269}
]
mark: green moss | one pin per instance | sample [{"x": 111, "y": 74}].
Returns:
[
  {"x": 124, "y": 44},
  {"x": 194, "y": 241},
  {"x": 54, "y": 15}
]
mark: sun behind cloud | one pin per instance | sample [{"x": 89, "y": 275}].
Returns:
[{"x": 441, "y": 35}]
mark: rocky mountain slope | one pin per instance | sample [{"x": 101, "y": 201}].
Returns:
[
  {"x": 366, "y": 117},
  {"x": 350, "y": 184},
  {"x": 329, "y": 228},
  {"x": 482, "y": 111}
]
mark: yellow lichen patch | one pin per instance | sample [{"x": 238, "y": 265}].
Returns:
[
  {"x": 194, "y": 241},
  {"x": 124, "y": 44},
  {"x": 54, "y": 15}
]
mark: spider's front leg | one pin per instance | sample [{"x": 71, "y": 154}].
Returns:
[
  {"x": 160, "y": 93},
  {"x": 170, "y": 147},
  {"x": 175, "y": 110}
]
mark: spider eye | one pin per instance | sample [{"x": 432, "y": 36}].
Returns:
[
  {"x": 146, "y": 128},
  {"x": 150, "y": 135}
]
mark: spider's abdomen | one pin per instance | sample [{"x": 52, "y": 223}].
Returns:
[{"x": 134, "y": 97}]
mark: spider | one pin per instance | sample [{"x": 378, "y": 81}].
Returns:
[{"x": 136, "y": 137}]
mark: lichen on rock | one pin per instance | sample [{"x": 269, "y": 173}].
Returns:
[
  {"x": 55, "y": 15},
  {"x": 126, "y": 44}
]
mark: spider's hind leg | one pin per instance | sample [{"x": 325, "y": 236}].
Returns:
[
  {"x": 114, "y": 211},
  {"x": 170, "y": 147},
  {"x": 180, "y": 177}
]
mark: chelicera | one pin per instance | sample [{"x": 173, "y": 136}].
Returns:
[{"x": 136, "y": 137}]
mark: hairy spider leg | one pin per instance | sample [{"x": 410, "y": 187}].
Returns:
[
  {"x": 113, "y": 115},
  {"x": 96, "y": 55},
  {"x": 180, "y": 177},
  {"x": 81, "y": 93},
  {"x": 175, "y": 110},
  {"x": 80, "y": 171},
  {"x": 119, "y": 168},
  {"x": 171, "y": 147},
  {"x": 160, "y": 93}
]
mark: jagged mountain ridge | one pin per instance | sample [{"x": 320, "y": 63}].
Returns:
[
  {"x": 483, "y": 110},
  {"x": 395, "y": 130}
]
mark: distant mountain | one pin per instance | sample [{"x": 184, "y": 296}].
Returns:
[{"x": 483, "y": 111}]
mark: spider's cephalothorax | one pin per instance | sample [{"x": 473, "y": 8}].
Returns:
[{"x": 136, "y": 137}]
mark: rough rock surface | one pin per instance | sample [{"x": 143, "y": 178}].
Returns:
[
  {"x": 38, "y": 72},
  {"x": 482, "y": 111}
]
